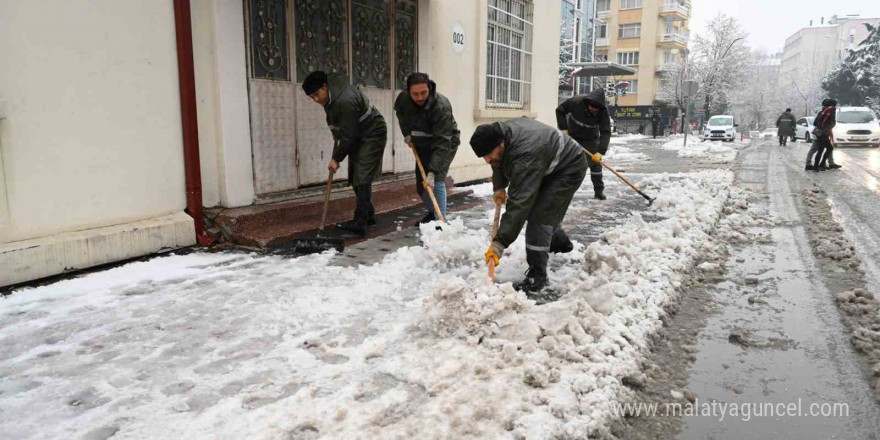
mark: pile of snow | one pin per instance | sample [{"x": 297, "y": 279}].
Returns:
[
  {"x": 552, "y": 371},
  {"x": 712, "y": 152},
  {"x": 627, "y": 138},
  {"x": 420, "y": 345},
  {"x": 619, "y": 154}
]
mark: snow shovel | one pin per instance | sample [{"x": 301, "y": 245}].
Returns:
[
  {"x": 631, "y": 185},
  {"x": 437, "y": 213},
  {"x": 494, "y": 232},
  {"x": 317, "y": 243}
]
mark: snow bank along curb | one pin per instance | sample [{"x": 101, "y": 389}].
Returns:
[
  {"x": 860, "y": 308},
  {"x": 553, "y": 371}
]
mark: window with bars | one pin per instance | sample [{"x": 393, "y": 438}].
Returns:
[
  {"x": 633, "y": 30},
  {"x": 601, "y": 57},
  {"x": 628, "y": 58},
  {"x": 630, "y": 4},
  {"x": 509, "y": 70}
]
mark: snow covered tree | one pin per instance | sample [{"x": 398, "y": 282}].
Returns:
[
  {"x": 761, "y": 102},
  {"x": 856, "y": 80},
  {"x": 721, "y": 60},
  {"x": 671, "y": 89},
  {"x": 567, "y": 46}
]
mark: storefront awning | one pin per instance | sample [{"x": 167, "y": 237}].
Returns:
[{"x": 601, "y": 69}]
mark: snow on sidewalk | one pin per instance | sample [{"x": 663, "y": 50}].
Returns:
[{"x": 230, "y": 346}]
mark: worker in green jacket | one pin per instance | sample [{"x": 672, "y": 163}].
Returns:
[
  {"x": 427, "y": 123},
  {"x": 360, "y": 134},
  {"x": 536, "y": 170}
]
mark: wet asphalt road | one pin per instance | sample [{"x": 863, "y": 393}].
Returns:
[
  {"x": 854, "y": 191},
  {"x": 797, "y": 350}
]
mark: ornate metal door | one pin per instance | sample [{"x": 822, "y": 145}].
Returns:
[
  {"x": 321, "y": 44},
  {"x": 271, "y": 94},
  {"x": 291, "y": 141},
  {"x": 405, "y": 56}
]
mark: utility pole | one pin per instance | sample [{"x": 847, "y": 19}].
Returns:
[{"x": 690, "y": 90}]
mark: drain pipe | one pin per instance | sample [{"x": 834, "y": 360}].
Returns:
[{"x": 187, "y": 81}]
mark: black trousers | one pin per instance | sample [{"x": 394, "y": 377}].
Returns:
[
  {"x": 823, "y": 144},
  {"x": 364, "y": 210},
  {"x": 596, "y": 175}
]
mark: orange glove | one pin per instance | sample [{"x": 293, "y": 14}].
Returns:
[
  {"x": 494, "y": 253},
  {"x": 597, "y": 157},
  {"x": 500, "y": 197}
]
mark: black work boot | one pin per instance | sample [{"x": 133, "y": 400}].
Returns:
[
  {"x": 428, "y": 218},
  {"x": 357, "y": 227},
  {"x": 560, "y": 243},
  {"x": 535, "y": 281},
  {"x": 600, "y": 195}
]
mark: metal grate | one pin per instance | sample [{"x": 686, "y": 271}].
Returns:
[{"x": 509, "y": 73}]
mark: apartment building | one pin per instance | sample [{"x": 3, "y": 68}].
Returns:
[
  {"x": 647, "y": 35},
  {"x": 812, "y": 52},
  {"x": 576, "y": 31}
]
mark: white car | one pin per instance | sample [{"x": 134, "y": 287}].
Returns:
[
  {"x": 856, "y": 126},
  {"x": 803, "y": 128},
  {"x": 720, "y": 128},
  {"x": 769, "y": 133}
]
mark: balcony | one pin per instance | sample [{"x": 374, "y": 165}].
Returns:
[
  {"x": 676, "y": 39},
  {"x": 602, "y": 15},
  {"x": 600, "y": 42},
  {"x": 665, "y": 68},
  {"x": 674, "y": 10}
]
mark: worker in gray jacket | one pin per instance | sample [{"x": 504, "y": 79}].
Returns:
[
  {"x": 785, "y": 126},
  {"x": 536, "y": 170},
  {"x": 359, "y": 132},
  {"x": 427, "y": 123},
  {"x": 585, "y": 118}
]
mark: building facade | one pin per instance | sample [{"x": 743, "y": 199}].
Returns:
[
  {"x": 576, "y": 40},
  {"x": 812, "y": 52},
  {"x": 647, "y": 35},
  {"x": 93, "y": 165}
]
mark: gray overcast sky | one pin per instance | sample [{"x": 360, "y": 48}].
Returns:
[{"x": 770, "y": 22}]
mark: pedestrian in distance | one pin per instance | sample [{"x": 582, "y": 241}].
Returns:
[
  {"x": 359, "y": 134},
  {"x": 784, "y": 126},
  {"x": 585, "y": 118},
  {"x": 536, "y": 171},
  {"x": 655, "y": 123},
  {"x": 823, "y": 125},
  {"x": 428, "y": 125}
]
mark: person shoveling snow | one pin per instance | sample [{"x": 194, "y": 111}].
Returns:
[{"x": 543, "y": 169}]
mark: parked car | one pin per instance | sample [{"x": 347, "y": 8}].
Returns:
[
  {"x": 769, "y": 133},
  {"x": 803, "y": 129},
  {"x": 720, "y": 128},
  {"x": 856, "y": 126}
]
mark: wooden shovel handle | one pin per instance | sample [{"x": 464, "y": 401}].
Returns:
[
  {"x": 326, "y": 201},
  {"x": 495, "y": 222},
  {"x": 427, "y": 187}
]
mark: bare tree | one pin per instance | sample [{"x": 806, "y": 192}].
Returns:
[
  {"x": 721, "y": 60},
  {"x": 762, "y": 100},
  {"x": 672, "y": 81}
]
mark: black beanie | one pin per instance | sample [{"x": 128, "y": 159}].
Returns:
[
  {"x": 314, "y": 81},
  {"x": 486, "y": 137}
]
